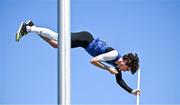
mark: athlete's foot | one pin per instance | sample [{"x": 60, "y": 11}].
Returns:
[{"x": 21, "y": 31}]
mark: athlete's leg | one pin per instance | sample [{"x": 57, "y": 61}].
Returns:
[
  {"x": 79, "y": 39},
  {"x": 43, "y": 32},
  {"x": 46, "y": 34}
]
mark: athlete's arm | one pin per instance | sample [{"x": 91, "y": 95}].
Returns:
[
  {"x": 121, "y": 82},
  {"x": 101, "y": 65},
  {"x": 97, "y": 62}
]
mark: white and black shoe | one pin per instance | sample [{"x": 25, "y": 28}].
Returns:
[{"x": 21, "y": 31}]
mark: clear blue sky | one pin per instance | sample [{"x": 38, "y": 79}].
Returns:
[{"x": 28, "y": 70}]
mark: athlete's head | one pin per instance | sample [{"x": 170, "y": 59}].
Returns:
[
  {"x": 132, "y": 61},
  {"x": 129, "y": 62}
]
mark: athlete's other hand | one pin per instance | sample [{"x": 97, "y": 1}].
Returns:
[{"x": 136, "y": 92}]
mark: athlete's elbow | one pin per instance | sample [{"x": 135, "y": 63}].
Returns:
[
  {"x": 118, "y": 82},
  {"x": 92, "y": 61}
]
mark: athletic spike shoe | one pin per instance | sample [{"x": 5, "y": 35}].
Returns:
[
  {"x": 21, "y": 31},
  {"x": 30, "y": 23}
]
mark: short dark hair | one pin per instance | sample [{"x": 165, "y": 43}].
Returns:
[{"x": 133, "y": 61}]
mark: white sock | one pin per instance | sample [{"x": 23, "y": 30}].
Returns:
[{"x": 43, "y": 32}]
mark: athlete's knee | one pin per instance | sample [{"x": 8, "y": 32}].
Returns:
[{"x": 53, "y": 43}]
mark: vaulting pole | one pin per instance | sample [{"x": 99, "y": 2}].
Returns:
[
  {"x": 138, "y": 86},
  {"x": 64, "y": 40}
]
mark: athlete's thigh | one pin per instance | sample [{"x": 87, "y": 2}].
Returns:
[{"x": 81, "y": 39}]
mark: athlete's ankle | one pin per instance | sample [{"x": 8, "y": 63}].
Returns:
[{"x": 28, "y": 29}]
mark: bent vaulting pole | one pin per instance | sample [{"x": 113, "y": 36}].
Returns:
[
  {"x": 64, "y": 41},
  {"x": 138, "y": 86}
]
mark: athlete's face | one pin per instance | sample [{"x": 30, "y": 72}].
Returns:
[{"x": 122, "y": 65}]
